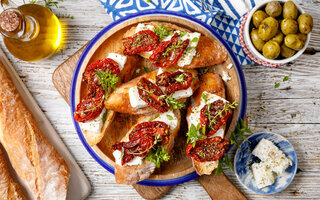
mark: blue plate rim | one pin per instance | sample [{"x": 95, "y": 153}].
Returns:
[
  {"x": 291, "y": 179},
  {"x": 151, "y": 182}
]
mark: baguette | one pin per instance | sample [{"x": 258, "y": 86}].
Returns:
[
  {"x": 9, "y": 189},
  {"x": 210, "y": 51},
  {"x": 130, "y": 175},
  {"x": 119, "y": 100},
  {"x": 35, "y": 160},
  {"x": 211, "y": 83}
]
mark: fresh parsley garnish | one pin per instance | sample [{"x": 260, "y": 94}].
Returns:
[
  {"x": 180, "y": 78},
  {"x": 276, "y": 85},
  {"x": 174, "y": 103},
  {"x": 241, "y": 129},
  {"x": 195, "y": 39},
  {"x": 194, "y": 134},
  {"x": 158, "y": 155},
  {"x": 285, "y": 78},
  {"x": 107, "y": 79},
  {"x": 169, "y": 117},
  {"x": 162, "y": 31}
]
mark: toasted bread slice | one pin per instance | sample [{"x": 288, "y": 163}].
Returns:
[
  {"x": 210, "y": 51},
  {"x": 94, "y": 138},
  {"x": 119, "y": 100},
  {"x": 213, "y": 84},
  {"x": 131, "y": 174}
]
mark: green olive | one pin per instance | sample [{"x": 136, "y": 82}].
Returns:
[
  {"x": 286, "y": 51},
  {"x": 305, "y": 22},
  {"x": 257, "y": 17},
  {"x": 293, "y": 41},
  {"x": 268, "y": 28},
  {"x": 273, "y": 9},
  {"x": 290, "y": 10},
  {"x": 302, "y": 37},
  {"x": 257, "y": 42},
  {"x": 289, "y": 26},
  {"x": 271, "y": 50},
  {"x": 279, "y": 37}
]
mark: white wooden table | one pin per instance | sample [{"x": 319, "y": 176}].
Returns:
[{"x": 292, "y": 110}]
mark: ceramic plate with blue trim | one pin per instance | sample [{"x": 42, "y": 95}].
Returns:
[
  {"x": 244, "y": 159},
  {"x": 179, "y": 169}
]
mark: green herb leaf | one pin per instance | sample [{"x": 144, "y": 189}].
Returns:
[
  {"x": 226, "y": 109},
  {"x": 195, "y": 39},
  {"x": 180, "y": 78},
  {"x": 104, "y": 117},
  {"x": 204, "y": 97},
  {"x": 107, "y": 80},
  {"x": 169, "y": 117},
  {"x": 203, "y": 71},
  {"x": 162, "y": 31},
  {"x": 285, "y": 78},
  {"x": 146, "y": 69},
  {"x": 174, "y": 103},
  {"x": 181, "y": 34},
  {"x": 194, "y": 134},
  {"x": 276, "y": 85},
  {"x": 158, "y": 155}
]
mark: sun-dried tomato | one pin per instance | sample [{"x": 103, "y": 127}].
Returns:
[
  {"x": 152, "y": 95},
  {"x": 174, "y": 81},
  {"x": 90, "y": 106},
  {"x": 169, "y": 52},
  {"x": 142, "y": 139},
  {"x": 89, "y": 75},
  {"x": 142, "y": 41},
  {"x": 214, "y": 115},
  {"x": 209, "y": 149}
]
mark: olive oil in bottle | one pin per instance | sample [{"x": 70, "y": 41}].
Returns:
[{"x": 31, "y": 32}]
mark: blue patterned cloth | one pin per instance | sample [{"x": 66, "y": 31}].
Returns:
[{"x": 224, "y": 16}]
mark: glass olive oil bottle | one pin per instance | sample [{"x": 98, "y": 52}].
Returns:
[{"x": 31, "y": 32}]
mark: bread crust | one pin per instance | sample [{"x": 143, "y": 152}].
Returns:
[
  {"x": 9, "y": 189},
  {"x": 35, "y": 160},
  {"x": 213, "y": 84},
  {"x": 130, "y": 175}
]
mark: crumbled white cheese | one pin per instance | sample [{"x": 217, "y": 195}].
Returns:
[
  {"x": 229, "y": 66},
  {"x": 135, "y": 161},
  {"x": 262, "y": 174},
  {"x": 94, "y": 125},
  {"x": 183, "y": 93},
  {"x": 190, "y": 51},
  {"x": 168, "y": 118},
  {"x": 272, "y": 156},
  {"x": 120, "y": 59},
  {"x": 135, "y": 100},
  {"x": 142, "y": 27},
  {"x": 225, "y": 76}
]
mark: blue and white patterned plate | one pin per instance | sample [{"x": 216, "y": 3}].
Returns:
[{"x": 244, "y": 159}]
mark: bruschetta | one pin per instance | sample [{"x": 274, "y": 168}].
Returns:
[
  {"x": 168, "y": 45},
  {"x": 206, "y": 117},
  {"x": 100, "y": 78},
  {"x": 145, "y": 146},
  {"x": 149, "y": 93}
]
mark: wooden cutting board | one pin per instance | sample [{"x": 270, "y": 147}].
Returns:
[{"x": 218, "y": 187}]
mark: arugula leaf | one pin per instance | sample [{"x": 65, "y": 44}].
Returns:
[
  {"x": 285, "y": 78},
  {"x": 107, "y": 79},
  {"x": 276, "y": 85},
  {"x": 162, "y": 31},
  {"x": 194, "y": 134},
  {"x": 180, "y": 78},
  {"x": 174, "y": 103},
  {"x": 158, "y": 155},
  {"x": 169, "y": 117}
]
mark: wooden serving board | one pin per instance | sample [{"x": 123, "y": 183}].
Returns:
[{"x": 218, "y": 187}]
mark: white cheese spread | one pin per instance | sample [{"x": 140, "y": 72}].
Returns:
[
  {"x": 94, "y": 125},
  {"x": 225, "y": 76},
  {"x": 190, "y": 51},
  {"x": 120, "y": 59},
  {"x": 135, "y": 100}
]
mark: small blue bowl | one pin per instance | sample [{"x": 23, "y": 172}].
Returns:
[{"x": 244, "y": 159}]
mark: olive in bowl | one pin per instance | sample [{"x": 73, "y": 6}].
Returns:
[{"x": 282, "y": 22}]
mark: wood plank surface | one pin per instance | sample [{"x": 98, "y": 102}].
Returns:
[{"x": 291, "y": 112}]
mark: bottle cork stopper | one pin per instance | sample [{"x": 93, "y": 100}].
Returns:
[{"x": 9, "y": 21}]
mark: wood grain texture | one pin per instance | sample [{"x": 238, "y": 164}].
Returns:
[
  {"x": 299, "y": 124},
  {"x": 150, "y": 193}
]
